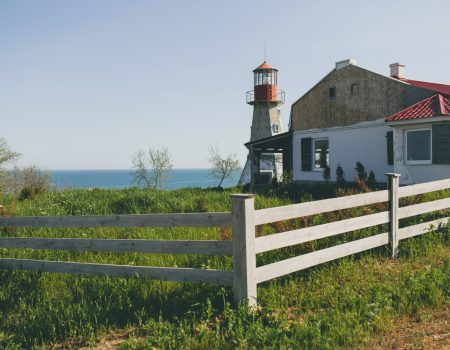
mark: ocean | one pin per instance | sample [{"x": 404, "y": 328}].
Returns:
[{"x": 178, "y": 178}]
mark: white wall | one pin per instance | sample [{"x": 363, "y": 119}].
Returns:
[
  {"x": 364, "y": 142},
  {"x": 417, "y": 173}
]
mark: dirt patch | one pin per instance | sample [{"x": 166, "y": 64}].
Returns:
[
  {"x": 108, "y": 341},
  {"x": 428, "y": 331}
]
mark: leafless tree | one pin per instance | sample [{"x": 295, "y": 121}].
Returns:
[
  {"x": 152, "y": 168},
  {"x": 222, "y": 167},
  {"x": 6, "y": 155}
]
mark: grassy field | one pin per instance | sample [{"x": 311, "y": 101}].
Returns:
[{"x": 343, "y": 304}]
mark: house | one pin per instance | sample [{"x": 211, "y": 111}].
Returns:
[
  {"x": 342, "y": 120},
  {"x": 421, "y": 140}
]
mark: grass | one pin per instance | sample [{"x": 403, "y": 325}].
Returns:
[{"x": 335, "y": 305}]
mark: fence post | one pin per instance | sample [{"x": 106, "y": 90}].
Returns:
[
  {"x": 393, "y": 180},
  {"x": 244, "y": 256}
]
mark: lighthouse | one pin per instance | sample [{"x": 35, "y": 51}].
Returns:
[{"x": 265, "y": 99}]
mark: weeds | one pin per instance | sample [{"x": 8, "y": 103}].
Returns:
[{"x": 335, "y": 305}]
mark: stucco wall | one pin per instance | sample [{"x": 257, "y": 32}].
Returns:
[
  {"x": 364, "y": 142},
  {"x": 378, "y": 97},
  {"x": 417, "y": 173},
  {"x": 264, "y": 116}
]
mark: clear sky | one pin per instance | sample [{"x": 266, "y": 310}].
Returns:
[{"x": 85, "y": 83}]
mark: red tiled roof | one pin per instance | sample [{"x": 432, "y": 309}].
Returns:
[
  {"x": 440, "y": 88},
  {"x": 434, "y": 106}
]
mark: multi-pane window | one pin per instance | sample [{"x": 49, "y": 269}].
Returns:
[
  {"x": 321, "y": 154},
  {"x": 266, "y": 77},
  {"x": 418, "y": 146}
]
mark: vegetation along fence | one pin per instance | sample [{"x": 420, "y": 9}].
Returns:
[{"x": 244, "y": 245}]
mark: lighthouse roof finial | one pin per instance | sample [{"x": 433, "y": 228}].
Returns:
[{"x": 265, "y": 52}]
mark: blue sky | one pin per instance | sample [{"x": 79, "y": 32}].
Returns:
[{"x": 85, "y": 83}]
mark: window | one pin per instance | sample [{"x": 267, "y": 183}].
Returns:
[
  {"x": 332, "y": 92},
  {"x": 418, "y": 146},
  {"x": 321, "y": 154},
  {"x": 266, "y": 77},
  {"x": 275, "y": 128},
  {"x": 354, "y": 89}
]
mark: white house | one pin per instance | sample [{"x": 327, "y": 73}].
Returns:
[
  {"x": 363, "y": 142},
  {"x": 387, "y": 123},
  {"x": 421, "y": 140}
]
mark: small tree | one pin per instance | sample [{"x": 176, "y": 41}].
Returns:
[
  {"x": 326, "y": 173},
  {"x": 340, "y": 175},
  {"x": 6, "y": 155},
  {"x": 152, "y": 168},
  {"x": 361, "y": 172},
  {"x": 371, "y": 181},
  {"x": 222, "y": 167}
]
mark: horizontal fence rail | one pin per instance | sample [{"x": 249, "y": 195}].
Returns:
[
  {"x": 243, "y": 247},
  {"x": 284, "y": 267},
  {"x": 121, "y": 245},
  {"x": 423, "y": 208},
  {"x": 289, "y": 238},
  {"x": 420, "y": 229},
  {"x": 432, "y": 186},
  {"x": 136, "y": 220},
  {"x": 160, "y": 273},
  {"x": 265, "y": 216}
]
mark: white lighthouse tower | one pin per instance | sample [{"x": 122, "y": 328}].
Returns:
[{"x": 265, "y": 99}]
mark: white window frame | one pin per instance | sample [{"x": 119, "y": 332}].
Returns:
[
  {"x": 314, "y": 153},
  {"x": 418, "y": 162}
]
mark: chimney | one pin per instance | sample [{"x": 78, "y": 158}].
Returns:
[
  {"x": 397, "y": 70},
  {"x": 345, "y": 63}
]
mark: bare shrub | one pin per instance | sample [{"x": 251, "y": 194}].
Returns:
[
  {"x": 28, "y": 182},
  {"x": 222, "y": 167},
  {"x": 152, "y": 168}
]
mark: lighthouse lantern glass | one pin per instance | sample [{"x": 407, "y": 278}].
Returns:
[{"x": 266, "y": 77}]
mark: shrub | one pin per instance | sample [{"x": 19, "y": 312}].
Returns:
[
  {"x": 29, "y": 182},
  {"x": 360, "y": 171},
  {"x": 326, "y": 173},
  {"x": 340, "y": 175},
  {"x": 371, "y": 181}
]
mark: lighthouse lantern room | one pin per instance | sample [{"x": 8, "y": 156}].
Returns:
[{"x": 265, "y": 79}]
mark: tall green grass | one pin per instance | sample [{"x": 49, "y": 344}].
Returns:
[{"x": 338, "y": 304}]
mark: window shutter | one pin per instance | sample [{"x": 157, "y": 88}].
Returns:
[
  {"x": 390, "y": 147},
  {"x": 441, "y": 143},
  {"x": 306, "y": 154}
]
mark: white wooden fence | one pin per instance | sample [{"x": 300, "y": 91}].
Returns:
[{"x": 243, "y": 247}]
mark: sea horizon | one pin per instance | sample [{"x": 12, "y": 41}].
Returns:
[{"x": 122, "y": 178}]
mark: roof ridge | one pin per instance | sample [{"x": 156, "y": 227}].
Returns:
[
  {"x": 441, "y": 104},
  {"x": 436, "y": 105},
  {"x": 424, "y": 81},
  {"x": 428, "y": 85}
]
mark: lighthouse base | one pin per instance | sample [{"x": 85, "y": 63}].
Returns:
[{"x": 270, "y": 167}]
